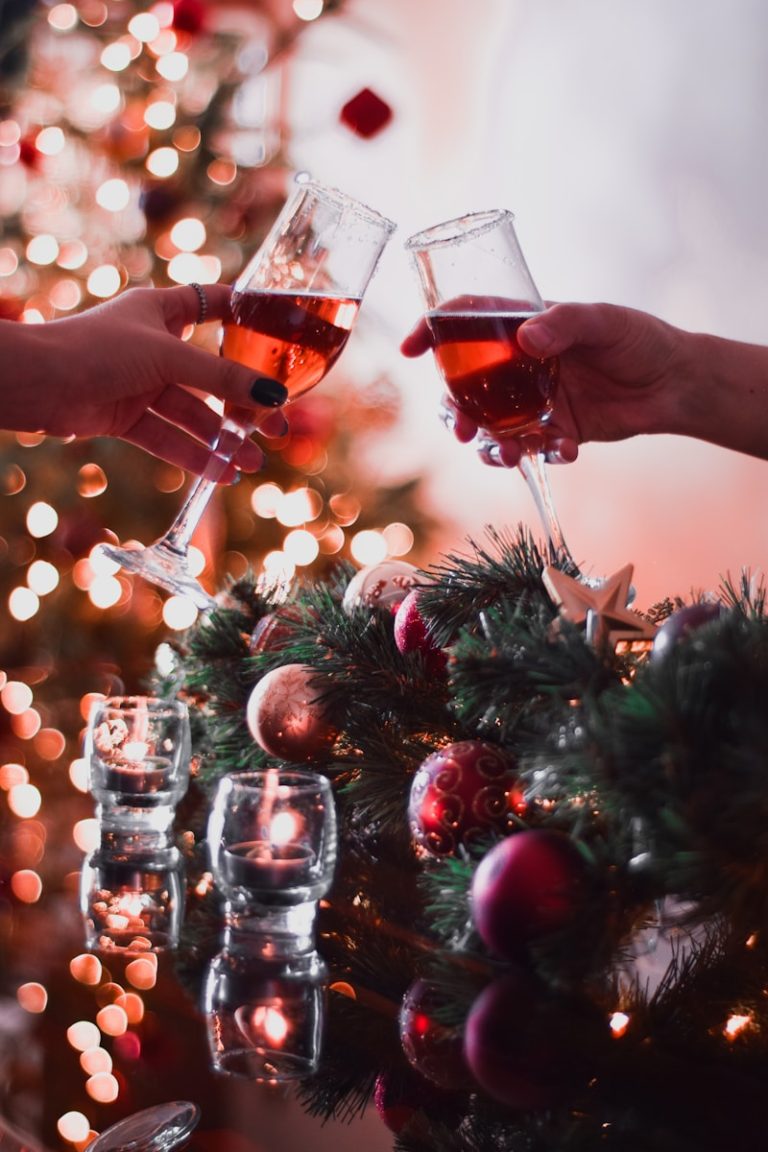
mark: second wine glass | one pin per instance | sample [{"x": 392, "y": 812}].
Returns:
[
  {"x": 292, "y": 310},
  {"x": 478, "y": 291}
]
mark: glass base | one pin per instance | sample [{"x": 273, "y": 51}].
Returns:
[{"x": 161, "y": 565}]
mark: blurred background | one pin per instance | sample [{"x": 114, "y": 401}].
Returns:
[{"x": 153, "y": 143}]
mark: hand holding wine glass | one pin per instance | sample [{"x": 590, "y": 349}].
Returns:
[
  {"x": 478, "y": 292},
  {"x": 292, "y": 310}
]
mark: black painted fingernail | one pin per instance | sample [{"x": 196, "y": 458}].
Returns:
[{"x": 270, "y": 393}]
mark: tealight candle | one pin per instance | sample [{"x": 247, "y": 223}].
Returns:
[
  {"x": 272, "y": 838},
  {"x": 261, "y": 866}
]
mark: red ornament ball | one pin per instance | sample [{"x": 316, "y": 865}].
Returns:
[
  {"x": 412, "y": 634},
  {"x": 383, "y": 585},
  {"x": 527, "y": 1047},
  {"x": 286, "y": 717},
  {"x": 366, "y": 113},
  {"x": 401, "y": 1095},
  {"x": 526, "y": 886},
  {"x": 431, "y": 1048},
  {"x": 460, "y": 793},
  {"x": 681, "y": 624}
]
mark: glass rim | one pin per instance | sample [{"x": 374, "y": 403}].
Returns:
[
  {"x": 336, "y": 196},
  {"x": 300, "y": 780},
  {"x": 458, "y": 228},
  {"x": 137, "y": 703}
]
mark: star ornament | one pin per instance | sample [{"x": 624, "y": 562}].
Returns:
[{"x": 602, "y": 609}]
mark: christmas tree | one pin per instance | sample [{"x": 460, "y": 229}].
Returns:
[{"x": 550, "y": 901}]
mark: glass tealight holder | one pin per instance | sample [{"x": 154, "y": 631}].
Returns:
[
  {"x": 272, "y": 845},
  {"x": 264, "y": 1013},
  {"x": 138, "y": 752},
  {"x": 132, "y": 895}
]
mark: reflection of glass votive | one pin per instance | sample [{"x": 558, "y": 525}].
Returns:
[
  {"x": 138, "y": 750},
  {"x": 132, "y": 898},
  {"x": 264, "y": 1016},
  {"x": 272, "y": 839}
]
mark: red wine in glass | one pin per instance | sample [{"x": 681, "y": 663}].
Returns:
[
  {"x": 293, "y": 338},
  {"x": 488, "y": 375},
  {"x": 478, "y": 290},
  {"x": 293, "y": 307}
]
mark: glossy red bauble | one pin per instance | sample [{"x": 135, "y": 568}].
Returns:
[{"x": 528, "y": 885}]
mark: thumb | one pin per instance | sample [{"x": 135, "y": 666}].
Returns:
[{"x": 564, "y": 325}]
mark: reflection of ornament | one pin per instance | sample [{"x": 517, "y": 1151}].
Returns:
[
  {"x": 382, "y": 585},
  {"x": 286, "y": 717},
  {"x": 366, "y": 113},
  {"x": 603, "y": 610},
  {"x": 412, "y": 634},
  {"x": 459, "y": 794},
  {"x": 527, "y": 1047},
  {"x": 681, "y": 623},
  {"x": 430, "y": 1047},
  {"x": 274, "y": 630},
  {"x": 526, "y": 886}
]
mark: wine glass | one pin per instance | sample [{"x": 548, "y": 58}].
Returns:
[
  {"x": 292, "y": 310},
  {"x": 478, "y": 291}
]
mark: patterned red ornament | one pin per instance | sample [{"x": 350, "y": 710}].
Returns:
[
  {"x": 412, "y": 634},
  {"x": 286, "y": 717},
  {"x": 366, "y": 114},
  {"x": 528, "y": 885},
  {"x": 460, "y": 794}
]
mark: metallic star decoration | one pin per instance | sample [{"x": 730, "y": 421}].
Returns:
[{"x": 602, "y": 610}]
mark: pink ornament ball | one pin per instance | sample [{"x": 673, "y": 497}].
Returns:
[{"x": 286, "y": 717}]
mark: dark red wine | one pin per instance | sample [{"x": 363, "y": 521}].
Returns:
[
  {"x": 291, "y": 337},
  {"x": 488, "y": 375}
]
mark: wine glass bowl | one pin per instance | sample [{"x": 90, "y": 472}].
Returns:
[
  {"x": 478, "y": 291},
  {"x": 291, "y": 313}
]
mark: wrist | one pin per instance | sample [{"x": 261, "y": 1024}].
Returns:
[{"x": 723, "y": 394}]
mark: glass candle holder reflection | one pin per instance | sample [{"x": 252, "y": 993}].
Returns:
[
  {"x": 272, "y": 839},
  {"x": 132, "y": 897},
  {"x": 264, "y": 1015},
  {"x": 138, "y": 751}
]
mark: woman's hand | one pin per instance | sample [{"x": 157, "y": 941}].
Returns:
[{"x": 120, "y": 369}]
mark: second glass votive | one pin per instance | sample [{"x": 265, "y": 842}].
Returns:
[
  {"x": 272, "y": 840},
  {"x": 138, "y": 751}
]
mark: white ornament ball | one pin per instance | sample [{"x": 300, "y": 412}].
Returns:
[
  {"x": 382, "y": 585},
  {"x": 286, "y": 717}
]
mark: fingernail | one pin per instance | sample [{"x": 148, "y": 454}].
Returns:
[
  {"x": 539, "y": 336},
  {"x": 270, "y": 393}
]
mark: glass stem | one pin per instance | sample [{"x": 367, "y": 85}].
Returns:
[
  {"x": 534, "y": 469},
  {"x": 231, "y": 436}
]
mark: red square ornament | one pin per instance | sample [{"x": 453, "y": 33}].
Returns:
[{"x": 366, "y": 113}]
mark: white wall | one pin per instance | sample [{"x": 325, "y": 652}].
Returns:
[{"x": 629, "y": 139}]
